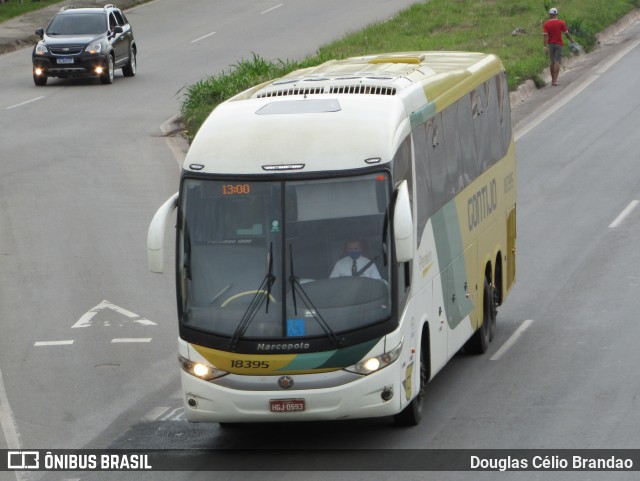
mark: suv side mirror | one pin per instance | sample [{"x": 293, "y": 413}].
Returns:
[
  {"x": 118, "y": 29},
  {"x": 40, "y": 32}
]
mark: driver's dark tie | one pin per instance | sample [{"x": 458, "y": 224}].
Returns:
[{"x": 354, "y": 268}]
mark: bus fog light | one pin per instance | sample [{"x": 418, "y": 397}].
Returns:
[{"x": 386, "y": 394}]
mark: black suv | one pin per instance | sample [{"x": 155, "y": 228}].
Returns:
[{"x": 85, "y": 42}]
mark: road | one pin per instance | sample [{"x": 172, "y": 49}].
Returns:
[{"x": 88, "y": 345}]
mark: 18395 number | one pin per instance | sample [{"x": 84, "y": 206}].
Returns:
[{"x": 248, "y": 364}]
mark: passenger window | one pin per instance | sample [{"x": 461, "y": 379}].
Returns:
[
  {"x": 505, "y": 111},
  {"x": 481, "y": 127},
  {"x": 424, "y": 202},
  {"x": 455, "y": 177},
  {"x": 437, "y": 161},
  {"x": 467, "y": 139},
  {"x": 495, "y": 130},
  {"x": 119, "y": 19}
]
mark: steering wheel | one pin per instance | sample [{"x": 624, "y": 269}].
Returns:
[{"x": 247, "y": 293}]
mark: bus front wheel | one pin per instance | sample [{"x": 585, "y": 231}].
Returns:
[{"x": 411, "y": 415}]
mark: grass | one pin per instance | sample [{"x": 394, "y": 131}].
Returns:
[
  {"x": 15, "y": 8},
  {"x": 474, "y": 25}
]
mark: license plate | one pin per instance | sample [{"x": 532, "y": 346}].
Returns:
[
  {"x": 64, "y": 60},
  {"x": 286, "y": 405}
]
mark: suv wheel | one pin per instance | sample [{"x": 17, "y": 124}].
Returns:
[
  {"x": 107, "y": 77},
  {"x": 40, "y": 80},
  {"x": 129, "y": 70}
]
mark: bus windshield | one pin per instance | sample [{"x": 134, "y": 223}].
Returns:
[{"x": 284, "y": 259}]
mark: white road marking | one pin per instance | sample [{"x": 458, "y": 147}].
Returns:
[
  {"x": 512, "y": 340},
  {"x": 203, "y": 37},
  {"x": 130, "y": 339},
  {"x": 25, "y": 103},
  {"x": 85, "y": 320},
  {"x": 155, "y": 413},
  {"x": 53, "y": 343},
  {"x": 271, "y": 9},
  {"x": 174, "y": 415},
  {"x": 623, "y": 215}
]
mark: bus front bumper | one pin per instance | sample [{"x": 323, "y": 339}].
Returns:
[{"x": 376, "y": 395}]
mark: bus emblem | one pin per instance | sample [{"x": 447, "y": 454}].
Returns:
[{"x": 285, "y": 382}]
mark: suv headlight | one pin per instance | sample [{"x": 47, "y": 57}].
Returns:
[
  {"x": 375, "y": 363},
  {"x": 94, "y": 48},
  {"x": 203, "y": 371},
  {"x": 41, "y": 49}
]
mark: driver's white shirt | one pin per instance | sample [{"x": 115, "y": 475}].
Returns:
[{"x": 343, "y": 268}]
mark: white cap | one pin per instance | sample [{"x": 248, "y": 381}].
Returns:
[{"x": 553, "y": 11}]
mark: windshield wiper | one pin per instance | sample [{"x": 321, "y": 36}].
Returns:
[
  {"x": 257, "y": 300},
  {"x": 296, "y": 288},
  {"x": 270, "y": 277}
]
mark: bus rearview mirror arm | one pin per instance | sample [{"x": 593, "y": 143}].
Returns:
[
  {"x": 403, "y": 224},
  {"x": 155, "y": 236}
]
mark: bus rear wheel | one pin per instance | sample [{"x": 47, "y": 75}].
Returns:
[{"x": 411, "y": 415}]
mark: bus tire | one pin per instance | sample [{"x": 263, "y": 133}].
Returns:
[
  {"x": 411, "y": 415},
  {"x": 479, "y": 342}
]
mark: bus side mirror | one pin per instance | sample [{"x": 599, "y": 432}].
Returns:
[
  {"x": 155, "y": 236},
  {"x": 403, "y": 224}
]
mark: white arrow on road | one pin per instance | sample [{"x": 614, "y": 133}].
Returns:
[{"x": 85, "y": 320}]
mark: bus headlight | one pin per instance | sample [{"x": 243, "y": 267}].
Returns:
[
  {"x": 203, "y": 371},
  {"x": 373, "y": 364}
]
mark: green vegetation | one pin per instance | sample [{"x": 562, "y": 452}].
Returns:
[
  {"x": 14, "y": 8},
  {"x": 474, "y": 25}
]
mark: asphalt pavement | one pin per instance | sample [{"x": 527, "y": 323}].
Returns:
[{"x": 20, "y": 32}]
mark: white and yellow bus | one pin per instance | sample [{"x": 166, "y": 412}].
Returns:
[{"x": 408, "y": 155}]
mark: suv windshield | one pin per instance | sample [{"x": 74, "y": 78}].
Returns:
[
  {"x": 284, "y": 259},
  {"x": 78, "y": 24}
]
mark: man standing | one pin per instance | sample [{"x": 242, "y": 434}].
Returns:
[{"x": 553, "y": 30}]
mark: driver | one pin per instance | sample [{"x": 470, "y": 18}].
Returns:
[{"x": 354, "y": 263}]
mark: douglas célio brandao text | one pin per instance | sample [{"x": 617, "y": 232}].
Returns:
[{"x": 551, "y": 463}]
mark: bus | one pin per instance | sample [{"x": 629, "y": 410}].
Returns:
[{"x": 404, "y": 162}]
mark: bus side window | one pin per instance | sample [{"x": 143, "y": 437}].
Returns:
[
  {"x": 481, "y": 127},
  {"x": 495, "y": 131},
  {"x": 505, "y": 111},
  {"x": 402, "y": 164},
  {"x": 424, "y": 202},
  {"x": 455, "y": 171},
  {"x": 467, "y": 138},
  {"x": 437, "y": 161}
]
